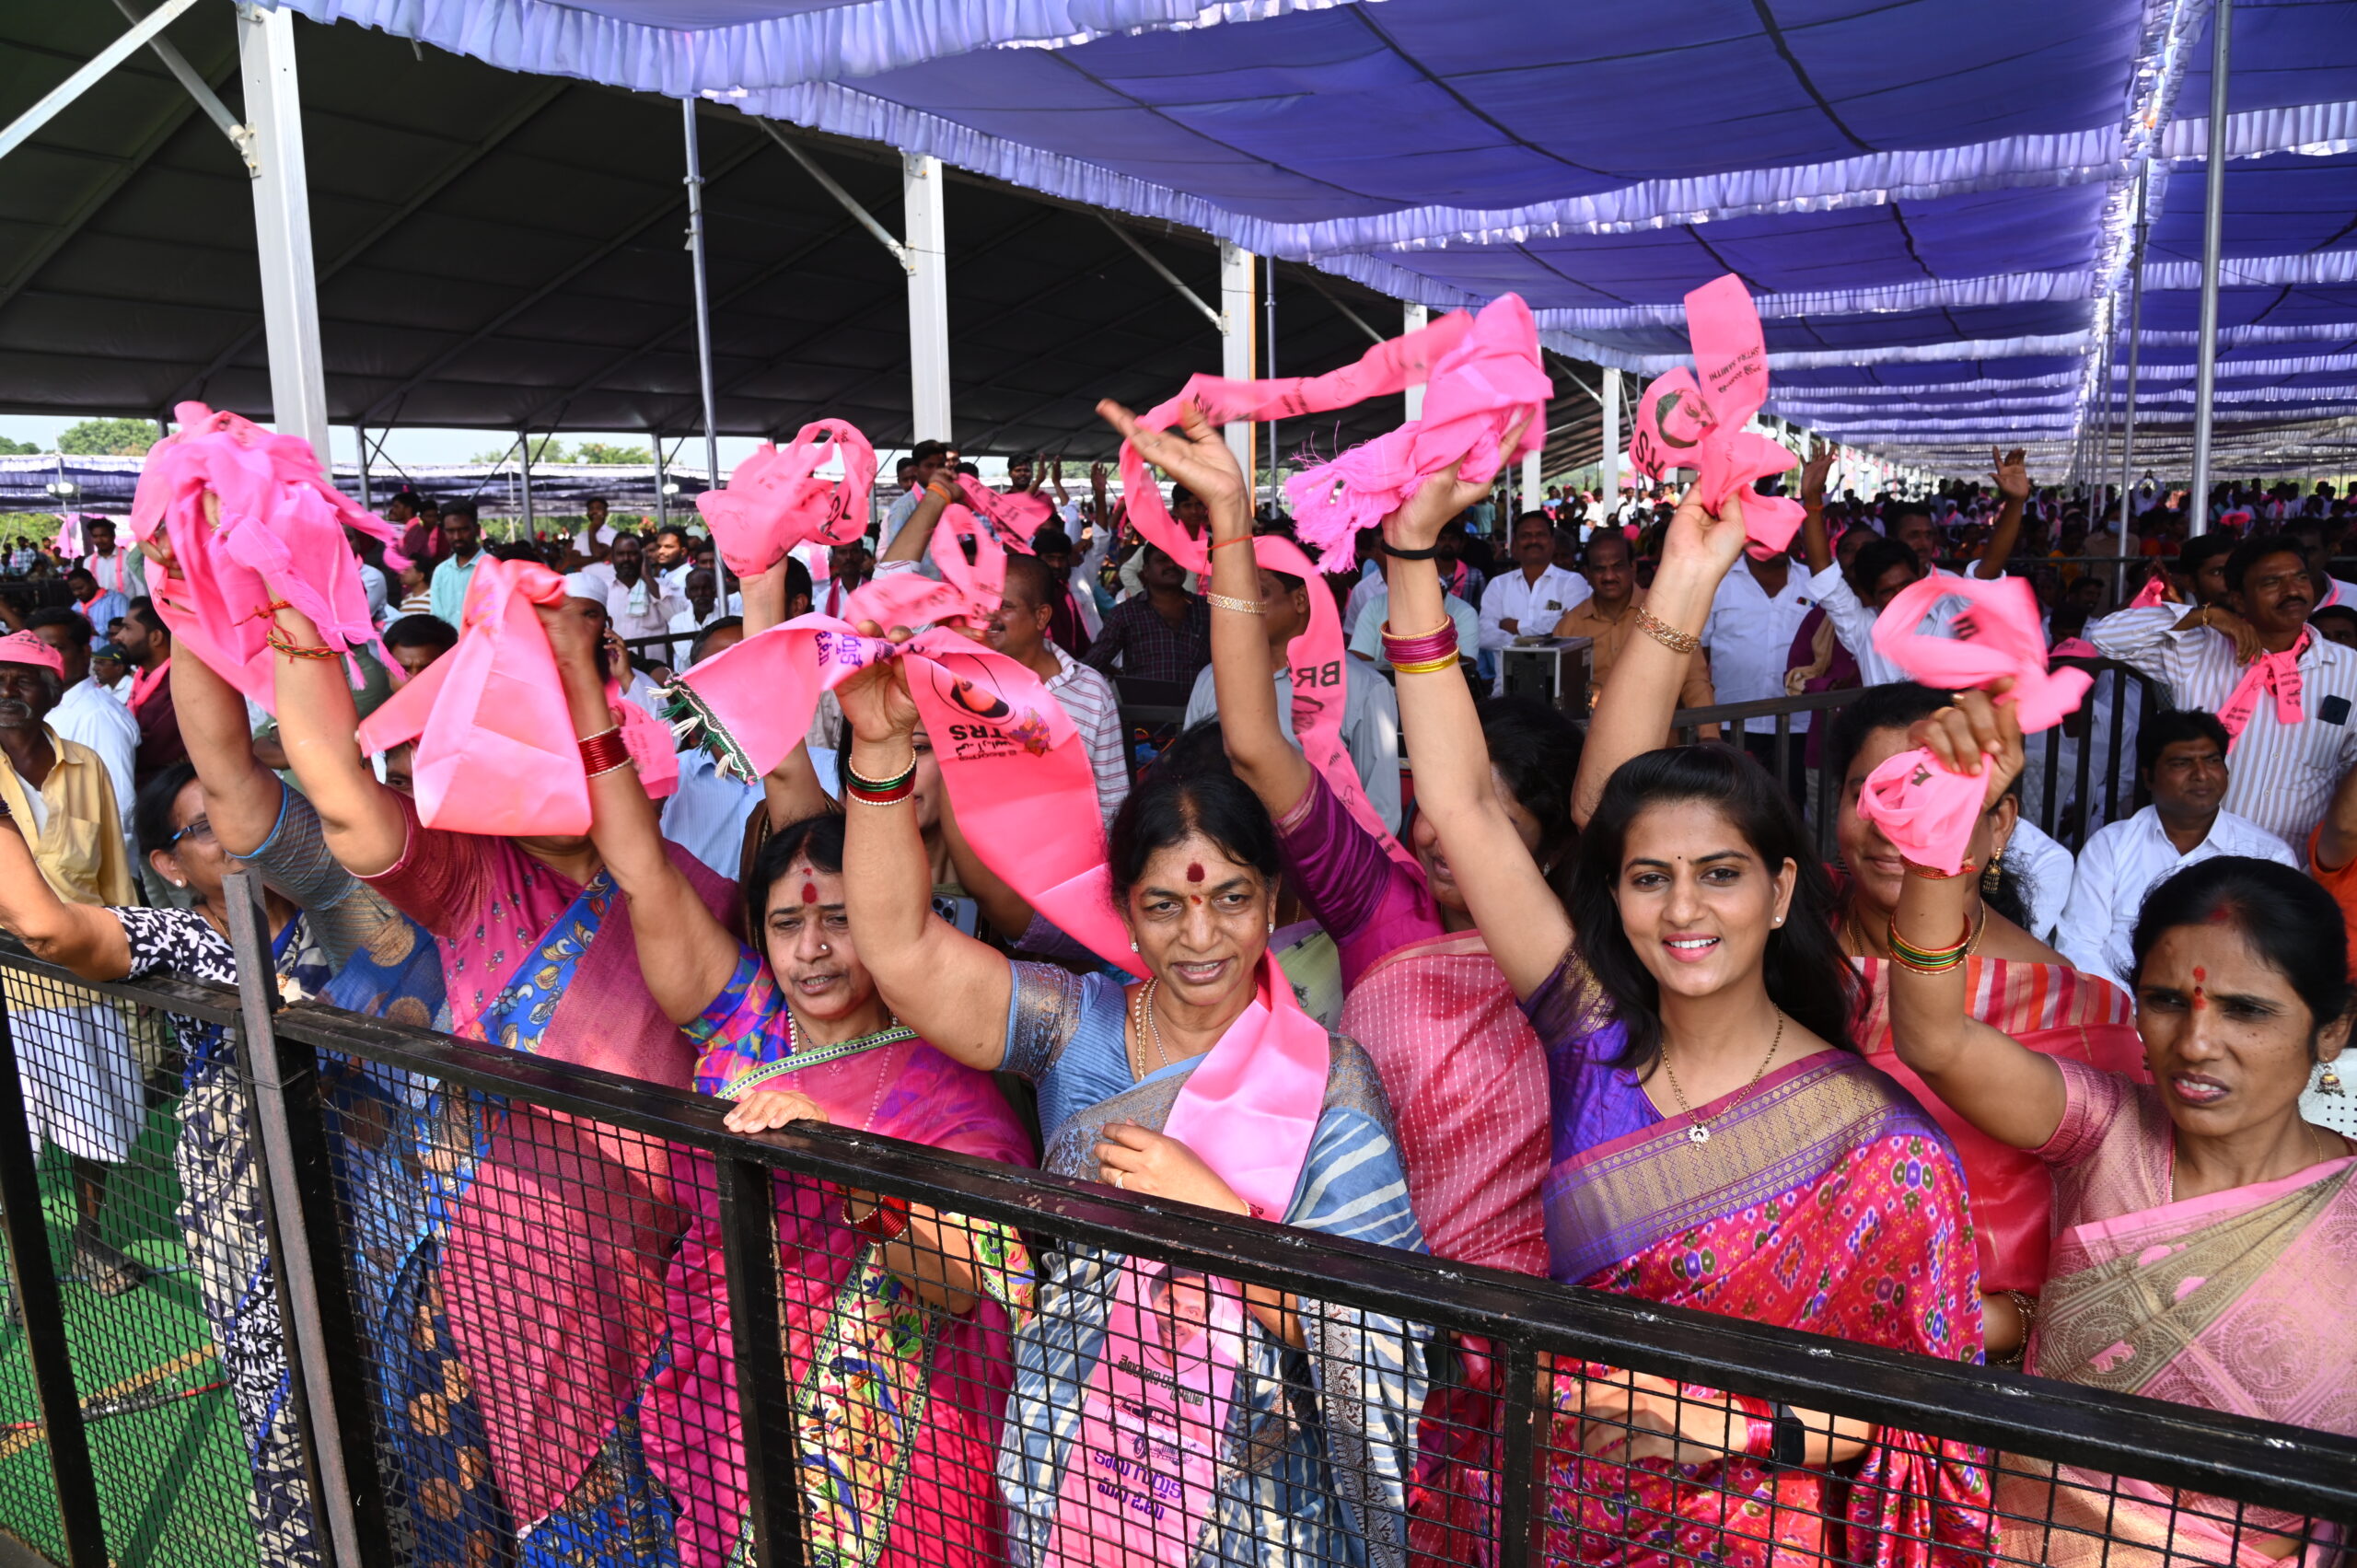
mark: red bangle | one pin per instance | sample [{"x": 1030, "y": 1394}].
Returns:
[
  {"x": 1425, "y": 648},
  {"x": 604, "y": 751},
  {"x": 1240, "y": 538},
  {"x": 884, "y": 1222}
]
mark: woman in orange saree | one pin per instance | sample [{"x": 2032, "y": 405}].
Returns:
[{"x": 2206, "y": 1247}]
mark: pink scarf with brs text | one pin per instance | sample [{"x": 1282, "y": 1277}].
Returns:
[
  {"x": 495, "y": 746},
  {"x": 1683, "y": 424},
  {"x": 1927, "y": 812},
  {"x": 275, "y": 532},
  {"x": 2277, "y": 673}
]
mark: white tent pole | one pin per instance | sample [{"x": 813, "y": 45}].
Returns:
[
  {"x": 1269, "y": 358},
  {"x": 1236, "y": 341},
  {"x": 1414, "y": 318},
  {"x": 1608, "y": 465},
  {"x": 703, "y": 297},
  {"x": 74, "y": 86},
  {"x": 2214, "y": 239},
  {"x": 2136, "y": 331},
  {"x": 290, "y": 300},
  {"x": 524, "y": 446},
  {"x": 662, "y": 502},
  {"x": 928, "y": 263}
]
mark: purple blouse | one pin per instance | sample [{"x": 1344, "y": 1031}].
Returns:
[
  {"x": 1593, "y": 1101},
  {"x": 1366, "y": 900}
]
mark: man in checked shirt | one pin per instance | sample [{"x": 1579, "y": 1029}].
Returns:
[{"x": 2285, "y": 693}]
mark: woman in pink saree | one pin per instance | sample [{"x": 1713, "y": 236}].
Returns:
[
  {"x": 894, "y": 1315},
  {"x": 2206, "y": 1233},
  {"x": 1717, "y": 1141}
]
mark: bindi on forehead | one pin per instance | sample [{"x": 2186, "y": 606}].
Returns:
[
  {"x": 1194, "y": 871},
  {"x": 809, "y": 892}
]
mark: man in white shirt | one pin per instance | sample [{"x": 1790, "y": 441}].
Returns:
[
  {"x": 2182, "y": 757},
  {"x": 1370, "y": 708},
  {"x": 1530, "y": 601},
  {"x": 701, "y": 590},
  {"x": 635, "y": 602},
  {"x": 462, "y": 531},
  {"x": 87, "y": 713},
  {"x": 1019, "y": 630},
  {"x": 669, "y": 560},
  {"x": 1749, "y": 634},
  {"x": 592, "y": 543},
  {"x": 705, "y": 815},
  {"x": 1366, "y": 633},
  {"x": 116, "y": 571}
]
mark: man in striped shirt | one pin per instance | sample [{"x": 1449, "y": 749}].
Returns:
[
  {"x": 1019, "y": 631},
  {"x": 2256, "y": 656}
]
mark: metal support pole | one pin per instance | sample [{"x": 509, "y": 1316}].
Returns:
[
  {"x": 1414, "y": 318},
  {"x": 703, "y": 298},
  {"x": 1608, "y": 465},
  {"x": 290, "y": 299},
  {"x": 327, "y": 1376},
  {"x": 928, "y": 248},
  {"x": 1235, "y": 354},
  {"x": 2136, "y": 333},
  {"x": 367, "y": 501},
  {"x": 2214, "y": 239},
  {"x": 34, "y": 1268},
  {"x": 74, "y": 86},
  {"x": 198, "y": 88},
  {"x": 662, "y": 502},
  {"x": 765, "y": 1392},
  {"x": 523, "y": 446},
  {"x": 1532, "y": 496},
  {"x": 1269, "y": 358}
]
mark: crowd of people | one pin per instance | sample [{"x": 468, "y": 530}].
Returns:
[{"x": 1579, "y": 1005}]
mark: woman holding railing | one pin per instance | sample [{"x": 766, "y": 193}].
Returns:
[
  {"x": 895, "y": 1327},
  {"x": 1161, "y": 1416},
  {"x": 1717, "y": 1141},
  {"x": 2205, "y": 1232}
]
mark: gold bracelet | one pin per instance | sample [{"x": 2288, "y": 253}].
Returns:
[
  {"x": 1430, "y": 667},
  {"x": 1669, "y": 636},
  {"x": 1241, "y": 605}
]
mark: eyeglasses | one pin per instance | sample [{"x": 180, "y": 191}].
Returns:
[{"x": 200, "y": 829}]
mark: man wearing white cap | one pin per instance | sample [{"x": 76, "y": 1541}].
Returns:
[
  {"x": 81, "y": 1080},
  {"x": 593, "y": 587}
]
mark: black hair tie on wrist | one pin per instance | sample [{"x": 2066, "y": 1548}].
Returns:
[{"x": 1429, "y": 552}]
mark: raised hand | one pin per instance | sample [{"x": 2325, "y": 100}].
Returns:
[
  {"x": 1419, "y": 520},
  {"x": 1696, "y": 534},
  {"x": 876, "y": 699},
  {"x": 2011, "y": 474},
  {"x": 1976, "y": 735},
  {"x": 1195, "y": 454},
  {"x": 1820, "y": 463}
]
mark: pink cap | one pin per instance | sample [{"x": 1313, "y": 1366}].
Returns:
[{"x": 24, "y": 647}]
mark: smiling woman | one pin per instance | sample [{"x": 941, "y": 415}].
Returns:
[{"x": 2206, "y": 1234}]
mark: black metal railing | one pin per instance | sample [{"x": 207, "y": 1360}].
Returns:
[{"x": 393, "y": 1399}]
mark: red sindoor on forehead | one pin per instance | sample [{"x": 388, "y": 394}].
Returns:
[{"x": 1195, "y": 872}]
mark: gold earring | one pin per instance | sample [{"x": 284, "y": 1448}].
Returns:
[
  {"x": 2330, "y": 1083},
  {"x": 1993, "y": 873}
]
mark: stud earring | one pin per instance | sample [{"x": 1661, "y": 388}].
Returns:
[
  {"x": 2330, "y": 1083},
  {"x": 1133, "y": 943}
]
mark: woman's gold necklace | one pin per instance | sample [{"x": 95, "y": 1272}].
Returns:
[
  {"x": 1700, "y": 1133},
  {"x": 1146, "y": 1028}
]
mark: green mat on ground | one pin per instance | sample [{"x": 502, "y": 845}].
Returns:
[{"x": 163, "y": 1439}]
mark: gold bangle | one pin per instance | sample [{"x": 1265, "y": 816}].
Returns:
[
  {"x": 1226, "y": 602},
  {"x": 1669, "y": 636},
  {"x": 1430, "y": 667}
]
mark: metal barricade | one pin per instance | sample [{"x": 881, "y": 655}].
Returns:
[{"x": 543, "y": 1297}]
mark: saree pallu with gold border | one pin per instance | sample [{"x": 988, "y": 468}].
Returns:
[
  {"x": 1825, "y": 1200},
  {"x": 2233, "y": 1302}
]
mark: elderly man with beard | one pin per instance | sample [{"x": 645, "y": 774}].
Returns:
[
  {"x": 2284, "y": 694},
  {"x": 81, "y": 1078}
]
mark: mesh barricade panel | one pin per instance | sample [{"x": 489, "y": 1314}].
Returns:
[{"x": 590, "y": 1326}]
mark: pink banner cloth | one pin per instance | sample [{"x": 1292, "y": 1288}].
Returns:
[
  {"x": 1389, "y": 366},
  {"x": 280, "y": 535},
  {"x": 1472, "y": 397},
  {"x": 1925, "y": 810},
  {"x": 496, "y": 752},
  {"x": 774, "y": 499},
  {"x": 2150, "y": 594},
  {"x": 1683, "y": 422},
  {"x": 1016, "y": 515},
  {"x": 2270, "y": 673}
]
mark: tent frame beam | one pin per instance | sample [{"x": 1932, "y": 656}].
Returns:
[
  {"x": 61, "y": 96},
  {"x": 1218, "y": 321},
  {"x": 241, "y": 136},
  {"x": 849, "y": 203},
  {"x": 2214, "y": 239}
]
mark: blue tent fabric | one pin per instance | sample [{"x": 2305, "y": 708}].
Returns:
[{"x": 1933, "y": 203}]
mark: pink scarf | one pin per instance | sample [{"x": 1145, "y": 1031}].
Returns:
[
  {"x": 1681, "y": 424},
  {"x": 1016, "y": 515},
  {"x": 1926, "y": 811},
  {"x": 774, "y": 500},
  {"x": 2277, "y": 673},
  {"x": 145, "y": 684},
  {"x": 496, "y": 752},
  {"x": 279, "y": 536}
]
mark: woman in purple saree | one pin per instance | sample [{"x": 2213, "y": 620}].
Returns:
[
  {"x": 2206, "y": 1233},
  {"x": 1717, "y": 1141}
]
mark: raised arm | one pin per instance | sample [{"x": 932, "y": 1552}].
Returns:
[
  {"x": 1632, "y": 715},
  {"x": 241, "y": 796},
  {"x": 2012, "y": 477},
  {"x": 685, "y": 954},
  {"x": 2004, "y": 1088},
  {"x": 916, "y": 535},
  {"x": 361, "y": 818},
  {"x": 1815, "y": 545},
  {"x": 1510, "y": 901},
  {"x": 1196, "y": 456},
  {"x": 949, "y": 988},
  {"x": 85, "y": 938}
]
